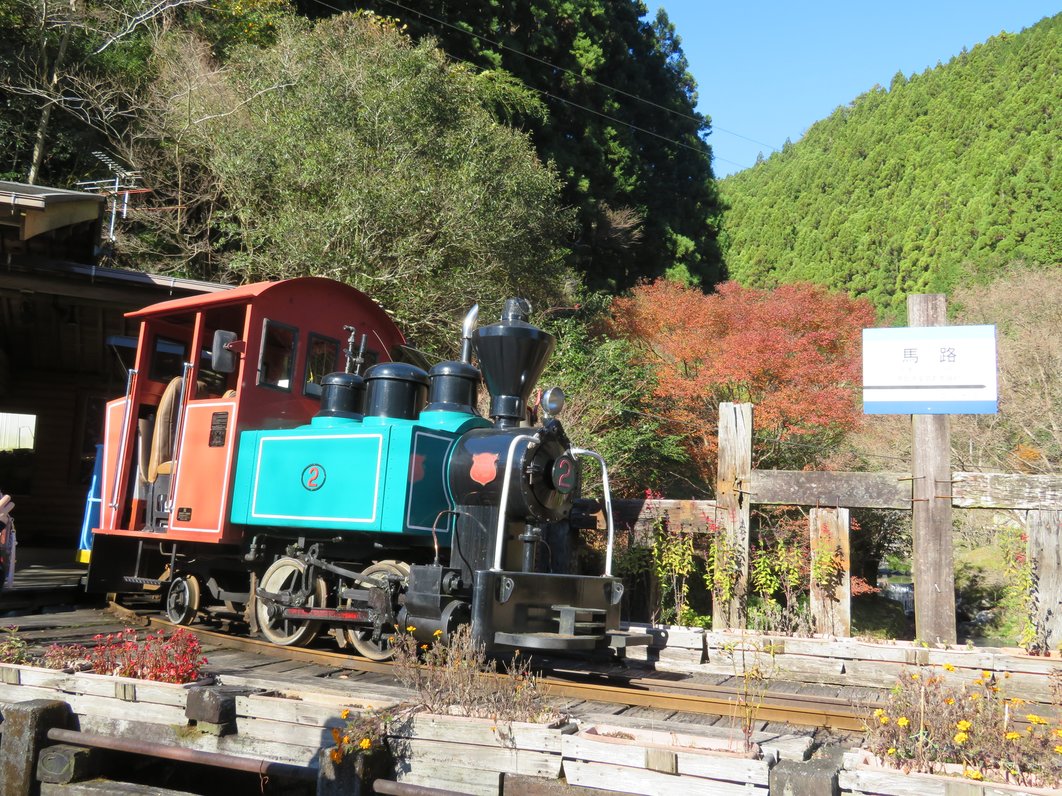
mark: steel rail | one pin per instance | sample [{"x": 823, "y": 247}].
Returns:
[{"x": 699, "y": 698}]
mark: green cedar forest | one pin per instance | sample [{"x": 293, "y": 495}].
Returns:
[{"x": 945, "y": 177}]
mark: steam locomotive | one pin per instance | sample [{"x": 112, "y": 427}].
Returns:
[{"x": 265, "y": 462}]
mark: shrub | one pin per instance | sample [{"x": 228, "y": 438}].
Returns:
[
  {"x": 177, "y": 659},
  {"x": 13, "y": 648},
  {"x": 930, "y": 726}
]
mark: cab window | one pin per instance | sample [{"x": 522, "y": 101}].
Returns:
[
  {"x": 278, "y": 355},
  {"x": 321, "y": 359},
  {"x": 167, "y": 359}
]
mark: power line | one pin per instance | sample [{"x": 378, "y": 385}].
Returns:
[
  {"x": 581, "y": 77},
  {"x": 564, "y": 99}
]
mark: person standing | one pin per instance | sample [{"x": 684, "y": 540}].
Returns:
[{"x": 7, "y": 541}]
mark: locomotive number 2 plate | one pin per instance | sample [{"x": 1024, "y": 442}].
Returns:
[
  {"x": 564, "y": 473},
  {"x": 313, "y": 477}
]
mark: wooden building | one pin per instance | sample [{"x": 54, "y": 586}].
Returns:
[{"x": 64, "y": 348}]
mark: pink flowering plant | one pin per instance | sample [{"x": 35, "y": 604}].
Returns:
[
  {"x": 176, "y": 658},
  {"x": 970, "y": 728}
]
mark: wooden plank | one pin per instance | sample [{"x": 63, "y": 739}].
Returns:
[
  {"x": 236, "y": 744},
  {"x": 307, "y": 736},
  {"x": 890, "y": 783},
  {"x": 1006, "y": 491},
  {"x": 609, "y": 746},
  {"x": 783, "y": 746},
  {"x": 294, "y": 711},
  {"x": 733, "y": 482},
  {"x": 485, "y": 758},
  {"x": 88, "y": 705},
  {"x": 1045, "y": 553},
  {"x": 448, "y": 775},
  {"x": 483, "y": 732},
  {"x": 831, "y": 603},
  {"x": 854, "y": 490},
  {"x": 640, "y": 515},
  {"x": 347, "y": 692},
  {"x": 649, "y": 783}
]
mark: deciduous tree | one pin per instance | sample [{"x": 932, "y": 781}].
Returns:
[{"x": 792, "y": 351}]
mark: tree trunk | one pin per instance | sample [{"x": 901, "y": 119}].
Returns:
[{"x": 46, "y": 111}]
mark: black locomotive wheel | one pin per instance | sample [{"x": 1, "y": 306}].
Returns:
[
  {"x": 283, "y": 577},
  {"x": 362, "y": 640},
  {"x": 182, "y": 599}
]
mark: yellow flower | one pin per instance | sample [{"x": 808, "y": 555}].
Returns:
[
  {"x": 879, "y": 712},
  {"x": 987, "y": 675},
  {"x": 1057, "y": 732},
  {"x": 948, "y": 667},
  {"x": 963, "y": 725},
  {"x": 1017, "y": 701},
  {"x": 972, "y": 773},
  {"x": 975, "y": 696},
  {"x": 365, "y": 743},
  {"x": 883, "y": 719},
  {"x": 914, "y": 675},
  {"x": 903, "y": 721},
  {"x": 978, "y": 681},
  {"x": 961, "y": 738},
  {"x": 345, "y": 714},
  {"x": 1032, "y": 718},
  {"x": 1012, "y": 736},
  {"x": 892, "y": 750},
  {"x": 949, "y": 701},
  {"x": 410, "y": 628},
  {"x": 437, "y": 633}
]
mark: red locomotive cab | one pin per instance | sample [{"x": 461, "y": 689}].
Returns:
[{"x": 206, "y": 368}]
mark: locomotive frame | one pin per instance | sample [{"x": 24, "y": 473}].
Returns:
[{"x": 248, "y": 467}]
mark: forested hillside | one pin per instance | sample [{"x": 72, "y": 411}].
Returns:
[{"x": 946, "y": 177}]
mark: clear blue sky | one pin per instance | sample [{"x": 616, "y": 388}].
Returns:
[{"x": 769, "y": 70}]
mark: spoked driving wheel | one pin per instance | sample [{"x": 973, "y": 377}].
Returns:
[
  {"x": 365, "y": 640},
  {"x": 182, "y": 599},
  {"x": 285, "y": 577}
]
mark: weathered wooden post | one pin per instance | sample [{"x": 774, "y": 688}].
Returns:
[
  {"x": 1045, "y": 554},
  {"x": 933, "y": 560},
  {"x": 831, "y": 590},
  {"x": 733, "y": 499}
]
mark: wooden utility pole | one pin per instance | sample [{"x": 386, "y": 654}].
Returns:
[
  {"x": 933, "y": 564},
  {"x": 732, "y": 488}
]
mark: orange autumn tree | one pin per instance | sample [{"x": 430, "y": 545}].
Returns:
[{"x": 793, "y": 351}]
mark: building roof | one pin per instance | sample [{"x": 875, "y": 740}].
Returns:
[{"x": 34, "y": 209}]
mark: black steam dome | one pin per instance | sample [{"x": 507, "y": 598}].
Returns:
[{"x": 512, "y": 355}]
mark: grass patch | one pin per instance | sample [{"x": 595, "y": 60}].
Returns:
[{"x": 873, "y": 616}]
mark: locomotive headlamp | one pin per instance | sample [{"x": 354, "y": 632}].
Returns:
[{"x": 552, "y": 401}]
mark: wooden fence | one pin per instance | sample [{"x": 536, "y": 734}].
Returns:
[{"x": 832, "y": 494}]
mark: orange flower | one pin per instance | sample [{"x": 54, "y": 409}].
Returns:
[{"x": 345, "y": 714}]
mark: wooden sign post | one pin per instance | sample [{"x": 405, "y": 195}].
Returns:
[{"x": 933, "y": 564}]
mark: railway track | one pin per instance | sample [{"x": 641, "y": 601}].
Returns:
[{"x": 611, "y": 685}]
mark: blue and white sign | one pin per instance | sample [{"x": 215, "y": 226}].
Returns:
[{"x": 930, "y": 370}]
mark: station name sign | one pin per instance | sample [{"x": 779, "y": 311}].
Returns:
[{"x": 930, "y": 370}]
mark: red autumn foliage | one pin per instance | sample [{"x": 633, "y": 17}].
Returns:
[{"x": 793, "y": 351}]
